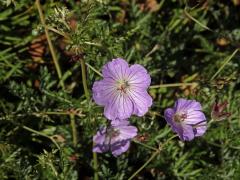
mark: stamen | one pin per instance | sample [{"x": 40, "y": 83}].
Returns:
[
  {"x": 112, "y": 132},
  {"x": 122, "y": 86},
  {"x": 179, "y": 117}
]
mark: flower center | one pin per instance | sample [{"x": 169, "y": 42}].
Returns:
[
  {"x": 179, "y": 117},
  {"x": 122, "y": 86},
  {"x": 112, "y": 135},
  {"x": 113, "y": 132}
]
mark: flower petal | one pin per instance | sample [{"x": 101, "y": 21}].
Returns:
[
  {"x": 200, "y": 129},
  {"x": 187, "y": 105},
  {"x": 187, "y": 133},
  {"x": 194, "y": 117},
  {"x": 168, "y": 114},
  {"x": 99, "y": 140},
  {"x": 120, "y": 147},
  {"x": 103, "y": 91},
  {"x": 142, "y": 101},
  {"x": 120, "y": 122},
  {"x": 127, "y": 132},
  {"x": 116, "y": 69},
  {"x": 139, "y": 77},
  {"x": 120, "y": 107}
]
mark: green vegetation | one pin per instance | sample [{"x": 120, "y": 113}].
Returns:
[{"x": 51, "y": 52}]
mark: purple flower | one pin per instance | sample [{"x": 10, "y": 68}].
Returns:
[
  {"x": 186, "y": 119},
  {"x": 123, "y": 90},
  {"x": 115, "y": 138}
]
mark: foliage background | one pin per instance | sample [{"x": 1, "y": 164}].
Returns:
[{"x": 177, "y": 41}]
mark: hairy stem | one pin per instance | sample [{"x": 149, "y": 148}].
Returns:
[
  {"x": 224, "y": 63},
  {"x": 93, "y": 69},
  {"x": 95, "y": 166},
  {"x": 173, "y": 85},
  {"x": 145, "y": 145},
  {"x": 152, "y": 157},
  {"x": 41, "y": 134},
  {"x": 145, "y": 164},
  {"x": 53, "y": 53},
  {"x": 84, "y": 81},
  {"x": 74, "y": 130}
]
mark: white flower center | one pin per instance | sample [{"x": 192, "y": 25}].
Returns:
[{"x": 122, "y": 86}]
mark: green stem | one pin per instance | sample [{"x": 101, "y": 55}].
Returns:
[
  {"x": 95, "y": 70},
  {"x": 95, "y": 166},
  {"x": 58, "y": 32},
  {"x": 152, "y": 157},
  {"x": 173, "y": 85},
  {"x": 41, "y": 134},
  {"x": 168, "y": 140},
  {"x": 210, "y": 123},
  {"x": 52, "y": 139},
  {"x": 53, "y": 169},
  {"x": 84, "y": 79},
  {"x": 224, "y": 63},
  {"x": 92, "y": 44},
  {"x": 145, "y": 164},
  {"x": 55, "y": 61},
  {"x": 196, "y": 21},
  {"x": 74, "y": 130},
  {"x": 51, "y": 113},
  {"x": 145, "y": 145}
]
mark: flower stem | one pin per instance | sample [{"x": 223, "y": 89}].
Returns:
[
  {"x": 51, "y": 113},
  {"x": 95, "y": 166},
  {"x": 196, "y": 21},
  {"x": 224, "y": 63},
  {"x": 95, "y": 70},
  {"x": 173, "y": 85},
  {"x": 152, "y": 157},
  {"x": 74, "y": 130},
  {"x": 210, "y": 123},
  {"x": 145, "y": 145},
  {"x": 41, "y": 134},
  {"x": 84, "y": 81},
  {"x": 55, "y": 61},
  {"x": 58, "y": 32},
  {"x": 145, "y": 164}
]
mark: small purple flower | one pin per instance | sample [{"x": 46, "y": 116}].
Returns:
[
  {"x": 186, "y": 119},
  {"x": 115, "y": 138},
  {"x": 123, "y": 90}
]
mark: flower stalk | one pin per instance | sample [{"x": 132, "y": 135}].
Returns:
[
  {"x": 152, "y": 157},
  {"x": 43, "y": 135},
  {"x": 74, "y": 130},
  {"x": 145, "y": 164},
  {"x": 225, "y": 62},
  {"x": 53, "y": 53},
  {"x": 95, "y": 166},
  {"x": 145, "y": 145},
  {"x": 84, "y": 81}
]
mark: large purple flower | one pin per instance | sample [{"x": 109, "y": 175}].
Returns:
[
  {"x": 115, "y": 138},
  {"x": 123, "y": 90},
  {"x": 186, "y": 119}
]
